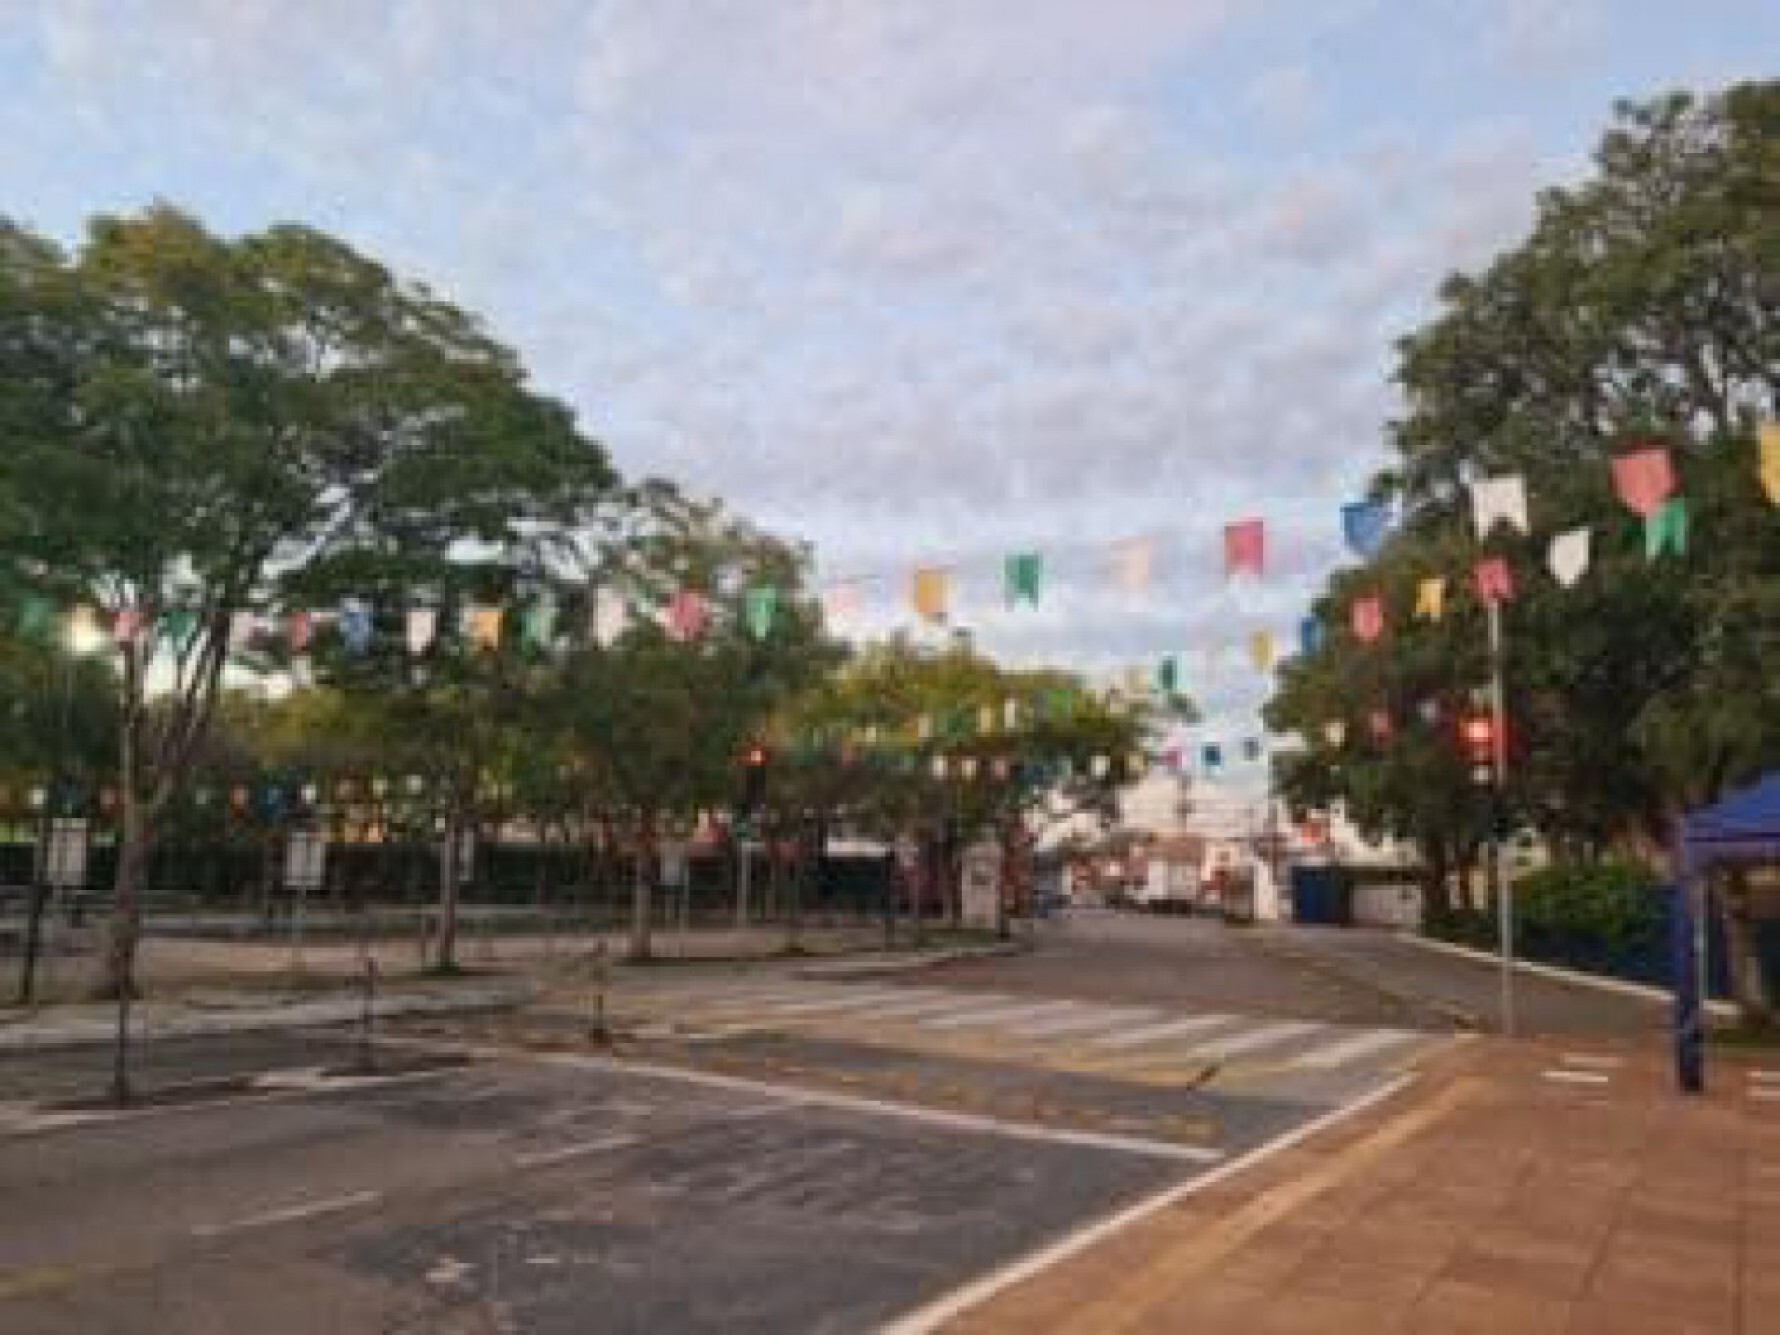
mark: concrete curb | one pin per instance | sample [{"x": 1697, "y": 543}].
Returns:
[
  {"x": 1723, "y": 1010},
  {"x": 90, "y": 1029}
]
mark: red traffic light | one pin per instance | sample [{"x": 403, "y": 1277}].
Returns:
[{"x": 755, "y": 758}]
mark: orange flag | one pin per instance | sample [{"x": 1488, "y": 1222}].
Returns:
[
  {"x": 1770, "y": 460},
  {"x": 929, "y": 595}
]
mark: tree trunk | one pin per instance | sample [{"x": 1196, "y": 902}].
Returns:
[
  {"x": 445, "y": 956},
  {"x": 126, "y": 912},
  {"x": 642, "y": 892}
]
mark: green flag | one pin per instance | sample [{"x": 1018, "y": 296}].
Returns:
[
  {"x": 1665, "y": 529},
  {"x": 177, "y": 627},
  {"x": 1025, "y": 572},
  {"x": 1168, "y": 675},
  {"x": 763, "y": 607},
  {"x": 37, "y": 617},
  {"x": 538, "y": 625}
]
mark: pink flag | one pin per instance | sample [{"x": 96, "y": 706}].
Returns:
[
  {"x": 1380, "y": 721},
  {"x": 1368, "y": 618},
  {"x": 1493, "y": 580},
  {"x": 1245, "y": 547},
  {"x": 299, "y": 629},
  {"x": 127, "y": 627},
  {"x": 687, "y": 615},
  {"x": 1644, "y": 479}
]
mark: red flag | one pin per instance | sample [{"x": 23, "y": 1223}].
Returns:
[
  {"x": 299, "y": 629},
  {"x": 1245, "y": 547},
  {"x": 1644, "y": 479},
  {"x": 1381, "y": 724},
  {"x": 1368, "y": 618},
  {"x": 687, "y": 615},
  {"x": 1493, "y": 580}
]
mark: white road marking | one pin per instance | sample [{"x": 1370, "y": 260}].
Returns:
[
  {"x": 932, "y": 1003},
  {"x": 1253, "y": 1040},
  {"x": 1134, "y": 1038},
  {"x": 940, "y": 1313},
  {"x": 1352, "y": 1049},
  {"x": 957, "y": 1121},
  {"x": 1591, "y": 1059},
  {"x": 290, "y": 1214},
  {"x": 1095, "y": 1017},
  {"x": 1765, "y": 1095},
  {"x": 561, "y": 1154},
  {"x": 978, "y": 1016},
  {"x": 1577, "y": 1077},
  {"x": 1762, "y": 1077}
]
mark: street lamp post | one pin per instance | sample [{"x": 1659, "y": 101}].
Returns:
[{"x": 1498, "y": 797}]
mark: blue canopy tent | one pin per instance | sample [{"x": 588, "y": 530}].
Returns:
[{"x": 1741, "y": 829}]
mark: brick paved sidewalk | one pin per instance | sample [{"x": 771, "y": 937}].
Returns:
[{"x": 1491, "y": 1196}]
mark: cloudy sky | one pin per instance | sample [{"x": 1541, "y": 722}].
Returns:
[{"x": 918, "y": 281}]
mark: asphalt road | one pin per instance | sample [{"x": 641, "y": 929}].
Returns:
[
  {"x": 1343, "y": 975},
  {"x": 526, "y": 1196}
]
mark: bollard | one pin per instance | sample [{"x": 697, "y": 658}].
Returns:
[{"x": 597, "y": 1031}]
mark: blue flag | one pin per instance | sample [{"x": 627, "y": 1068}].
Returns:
[
  {"x": 1365, "y": 525},
  {"x": 355, "y": 625},
  {"x": 1212, "y": 755},
  {"x": 1310, "y": 635}
]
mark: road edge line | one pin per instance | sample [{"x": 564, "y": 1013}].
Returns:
[
  {"x": 934, "y": 1314},
  {"x": 1645, "y": 991}
]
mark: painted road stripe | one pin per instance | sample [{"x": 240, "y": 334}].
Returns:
[
  {"x": 1096, "y": 1017},
  {"x": 1193, "y": 1024},
  {"x": 1253, "y": 1040},
  {"x": 1765, "y": 1095},
  {"x": 1352, "y": 1049},
  {"x": 290, "y": 1214},
  {"x": 1761, "y": 1077},
  {"x": 986, "y": 1015},
  {"x": 946, "y": 1001},
  {"x": 1564, "y": 1077},
  {"x": 995, "y": 1126},
  {"x": 1591, "y": 1059},
  {"x": 563, "y": 1153}
]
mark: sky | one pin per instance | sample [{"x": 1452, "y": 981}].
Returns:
[{"x": 919, "y": 282}]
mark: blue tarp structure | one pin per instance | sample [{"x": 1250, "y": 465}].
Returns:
[{"x": 1742, "y": 828}]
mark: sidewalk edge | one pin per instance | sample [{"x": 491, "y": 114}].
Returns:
[
  {"x": 935, "y": 1314},
  {"x": 1721, "y": 1009}
]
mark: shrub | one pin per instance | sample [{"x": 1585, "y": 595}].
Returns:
[{"x": 1615, "y": 907}]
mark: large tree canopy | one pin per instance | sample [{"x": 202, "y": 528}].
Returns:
[{"x": 1644, "y": 307}]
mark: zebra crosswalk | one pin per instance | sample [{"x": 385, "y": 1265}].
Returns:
[{"x": 1128, "y": 1041}]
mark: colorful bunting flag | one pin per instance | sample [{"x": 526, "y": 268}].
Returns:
[
  {"x": 1025, "y": 571},
  {"x": 1665, "y": 529},
  {"x": 1368, "y": 618},
  {"x": 1251, "y": 749},
  {"x": 537, "y": 625},
  {"x": 355, "y": 625},
  {"x": 1211, "y": 755},
  {"x": 1260, "y": 650},
  {"x": 1010, "y": 714},
  {"x": 1499, "y": 500},
  {"x": 422, "y": 629},
  {"x": 243, "y": 626},
  {"x": 930, "y": 593},
  {"x": 1568, "y": 557},
  {"x": 1379, "y": 721},
  {"x": 840, "y": 603},
  {"x": 1334, "y": 732},
  {"x": 1168, "y": 675},
  {"x": 1430, "y": 711},
  {"x": 1644, "y": 479},
  {"x": 1098, "y": 766},
  {"x": 688, "y": 613},
  {"x": 37, "y": 616},
  {"x": 1310, "y": 635},
  {"x": 762, "y": 608},
  {"x": 1364, "y": 525},
  {"x": 1430, "y": 598},
  {"x": 482, "y": 626},
  {"x": 299, "y": 630},
  {"x": 126, "y": 627},
  {"x": 1132, "y": 560},
  {"x": 1493, "y": 580},
  {"x": 84, "y": 631},
  {"x": 1769, "y": 465},
  {"x": 611, "y": 617},
  {"x": 1245, "y": 548},
  {"x": 986, "y": 721},
  {"x": 924, "y": 728},
  {"x": 177, "y": 628}
]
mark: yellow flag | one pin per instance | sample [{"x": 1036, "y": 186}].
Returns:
[
  {"x": 485, "y": 627},
  {"x": 1770, "y": 460},
  {"x": 1260, "y": 649},
  {"x": 1430, "y": 599},
  {"x": 929, "y": 594}
]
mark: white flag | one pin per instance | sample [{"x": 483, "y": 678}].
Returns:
[
  {"x": 1568, "y": 557},
  {"x": 611, "y": 617},
  {"x": 242, "y": 626},
  {"x": 423, "y": 625},
  {"x": 1499, "y": 500}
]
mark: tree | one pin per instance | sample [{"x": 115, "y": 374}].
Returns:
[{"x": 203, "y": 426}]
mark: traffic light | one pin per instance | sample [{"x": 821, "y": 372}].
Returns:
[
  {"x": 1479, "y": 735},
  {"x": 754, "y": 778}
]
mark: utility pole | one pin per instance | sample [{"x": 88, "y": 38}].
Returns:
[{"x": 1497, "y": 810}]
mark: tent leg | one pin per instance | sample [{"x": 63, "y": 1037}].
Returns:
[{"x": 1686, "y": 932}]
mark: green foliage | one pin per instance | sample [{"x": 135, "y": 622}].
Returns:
[
  {"x": 1645, "y": 305},
  {"x": 1616, "y": 905}
]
